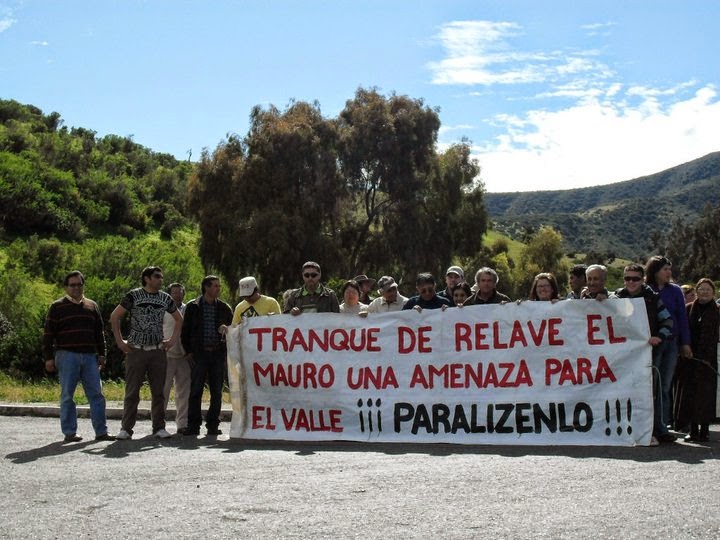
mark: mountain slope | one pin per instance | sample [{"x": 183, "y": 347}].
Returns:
[{"x": 620, "y": 217}]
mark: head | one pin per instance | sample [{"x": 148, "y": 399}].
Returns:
[
  {"x": 461, "y": 292},
  {"x": 596, "y": 275},
  {"x": 388, "y": 289},
  {"x": 365, "y": 283},
  {"x": 705, "y": 289},
  {"x": 210, "y": 287},
  {"x": 177, "y": 293},
  {"x": 577, "y": 278},
  {"x": 453, "y": 276},
  {"x": 152, "y": 278},
  {"x": 544, "y": 287},
  {"x": 311, "y": 275},
  {"x": 486, "y": 280},
  {"x": 633, "y": 275},
  {"x": 689, "y": 293},
  {"x": 658, "y": 271},
  {"x": 74, "y": 284},
  {"x": 248, "y": 289},
  {"x": 425, "y": 285},
  {"x": 351, "y": 292}
]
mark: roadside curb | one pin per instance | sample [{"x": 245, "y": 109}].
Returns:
[{"x": 83, "y": 411}]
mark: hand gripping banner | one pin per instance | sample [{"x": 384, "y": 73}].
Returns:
[{"x": 535, "y": 373}]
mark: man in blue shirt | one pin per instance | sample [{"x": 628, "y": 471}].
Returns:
[{"x": 426, "y": 298}]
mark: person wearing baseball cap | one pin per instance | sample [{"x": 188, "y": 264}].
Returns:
[
  {"x": 453, "y": 276},
  {"x": 389, "y": 298},
  {"x": 252, "y": 303}
]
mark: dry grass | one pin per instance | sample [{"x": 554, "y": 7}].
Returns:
[{"x": 48, "y": 391}]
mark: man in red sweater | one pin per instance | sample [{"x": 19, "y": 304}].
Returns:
[{"x": 74, "y": 346}]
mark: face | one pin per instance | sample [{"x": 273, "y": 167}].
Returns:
[
  {"x": 664, "y": 275},
  {"x": 459, "y": 297},
  {"x": 155, "y": 281},
  {"x": 426, "y": 291},
  {"x": 577, "y": 282},
  {"x": 486, "y": 283},
  {"x": 365, "y": 286},
  {"x": 177, "y": 294},
  {"x": 633, "y": 282},
  {"x": 212, "y": 290},
  {"x": 390, "y": 295},
  {"x": 705, "y": 293},
  {"x": 75, "y": 287},
  {"x": 690, "y": 296},
  {"x": 311, "y": 278},
  {"x": 543, "y": 289},
  {"x": 595, "y": 281},
  {"x": 452, "y": 279},
  {"x": 351, "y": 297}
]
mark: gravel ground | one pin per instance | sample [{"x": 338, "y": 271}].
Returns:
[{"x": 213, "y": 487}]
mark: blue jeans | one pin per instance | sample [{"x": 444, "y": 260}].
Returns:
[
  {"x": 665, "y": 358},
  {"x": 76, "y": 367}
]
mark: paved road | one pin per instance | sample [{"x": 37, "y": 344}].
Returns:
[{"x": 220, "y": 488}]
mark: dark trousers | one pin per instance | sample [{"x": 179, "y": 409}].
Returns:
[{"x": 210, "y": 366}]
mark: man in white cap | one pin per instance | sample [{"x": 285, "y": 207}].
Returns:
[
  {"x": 453, "y": 276},
  {"x": 389, "y": 299},
  {"x": 252, "y": 303}
]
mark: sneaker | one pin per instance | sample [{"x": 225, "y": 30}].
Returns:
[
  {"x": 105, "y": 437},
  {"x": 214, "y": 431},
  {"x": 72, "y": 438},
  {"x": 654, "y": 441},
  {"x": 123, "y": 435},
  {"x": 162, "y": 434}
]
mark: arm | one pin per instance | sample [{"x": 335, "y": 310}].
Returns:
[
  {"x": 177, "y": 328},
  {"x": 115, "y": 317},
  {"x": 49, "y": 341}
]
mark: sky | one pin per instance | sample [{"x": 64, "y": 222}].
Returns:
[{"x": 551, "y": 95}]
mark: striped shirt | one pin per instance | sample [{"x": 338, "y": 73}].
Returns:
[{"x": 76, "y": 327}]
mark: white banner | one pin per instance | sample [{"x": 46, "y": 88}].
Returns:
[{"x": 569, "y": 373}]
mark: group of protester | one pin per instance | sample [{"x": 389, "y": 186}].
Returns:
[{"x": 173, "y": 343}]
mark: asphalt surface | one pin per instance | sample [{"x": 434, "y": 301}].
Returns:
[{"x": 216, "y": 487}]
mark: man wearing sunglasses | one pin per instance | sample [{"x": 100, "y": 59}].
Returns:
[
  {"x": 145, "y": 348},
  {"x": 426, "y": 298},
  {"x": 661, "y": 328},
  {"x": 312, "y": 297}
]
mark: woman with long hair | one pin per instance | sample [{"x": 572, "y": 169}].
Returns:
[{"x": 658, "y": 275}]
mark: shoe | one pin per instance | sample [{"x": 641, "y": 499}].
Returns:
[
  {"x": 214, "y": 431},
  {"x": 105, "y": 437},
  {"x": 667, "y": 438},
  {"x": 691, "y": 438},
  {"x": 123, "y": 435},
  {"x": 72, "y": 438},
  {"x": 187, "y": 432},
  {"x": 162, "y": 434},
  {"x": 654, "y": 441}
]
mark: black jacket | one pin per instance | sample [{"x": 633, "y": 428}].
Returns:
[{"x": 192, "y": 328}]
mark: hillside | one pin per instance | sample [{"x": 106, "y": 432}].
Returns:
[{"x": 619, "y": 218}]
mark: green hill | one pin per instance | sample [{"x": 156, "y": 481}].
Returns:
[{"x": 620, "y": 218}]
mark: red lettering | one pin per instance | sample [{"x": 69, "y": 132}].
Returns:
[
  {"x": 462, "y": 335},
  {"x": 496, "y": 337},
  {"x": 259, "y": 332},
  {"x": 603, "y": 371},
  {"x": 611, "y": 333},
  {"x": 554, "y": 331},
  {"x": 592, "y": 330}
]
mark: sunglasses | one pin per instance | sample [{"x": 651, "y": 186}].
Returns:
[
  {"x": 632, "y": 278},
  {"x": 310, "y": 275}
]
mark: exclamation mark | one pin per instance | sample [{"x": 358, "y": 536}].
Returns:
[
  {"x": 619, "y": 416},
  {"x": 378, "y": 402},
  {"x": 608, "y": 431},
  {"x": 360, "y": 415},
  {"x": 369, "y": 402},
  {"x": 629, "y": 413}
]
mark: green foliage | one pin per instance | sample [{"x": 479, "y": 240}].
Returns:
[
  {"x": 68, "y": 183},
  {"x": 543, "y": 253}
]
